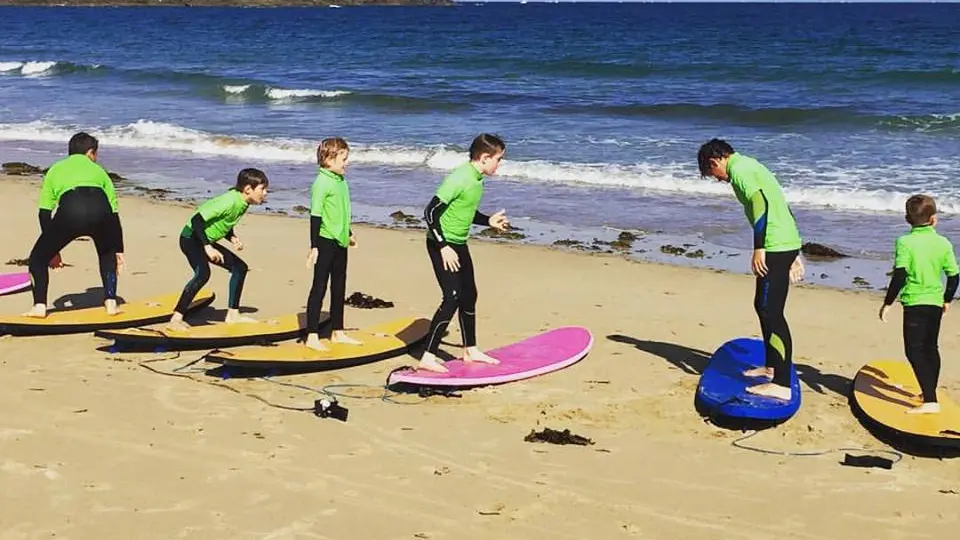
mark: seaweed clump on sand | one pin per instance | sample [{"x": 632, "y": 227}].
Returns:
[
  {"x": 509, "y": 234},
  {"x": 820, "y": 252},
  {"x": 553, "y": 436},
  {"x": 19, "y": 168},
  {"x": 18, "y": 262},
  {"x": 365, "y": 301},
  {"x": 407, "y": 219}
]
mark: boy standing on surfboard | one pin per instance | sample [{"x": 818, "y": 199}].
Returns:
[
  {"x": 775, "y": 261},
  {"x": 85, "y": 201},
  {"x": 330, "y": 236},
  {"x": 449, "y": 216},
  {"x": 213, "y": 221},
  {"x": 921, "y": 256}
]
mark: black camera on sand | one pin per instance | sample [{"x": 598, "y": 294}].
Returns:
[{"x": 329, "y": 408}]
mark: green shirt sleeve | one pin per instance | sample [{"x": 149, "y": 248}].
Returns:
[
  {"x": 107, "y": 185},
  {"x": 449, "y": 189},
  {"x": 901, "y": 257},
  {"x": 47, "y": 198},
  {"x": 318, "y": 192},
  {"x": 950, "y": 262}
]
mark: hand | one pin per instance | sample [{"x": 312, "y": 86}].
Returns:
[
  {"x": 212, "y": 254},
  {"x": 237, "y": 244},
  {"x": 56, "y": 262},
  {"x": 451, "y": 261},
  {"x": 312, "y": 257},
  {"x": 797, "y": 270},
  {"x": 758, "y": 264},
  {"x": 946, "y": 307},
  {"x": 121, "y": 263},
  {"x": 499, "y": 221},
  {"x": 353, "y": 240},
  {"x": 883, "y": 312}
]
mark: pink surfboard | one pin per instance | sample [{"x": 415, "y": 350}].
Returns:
[
  {"x": 543, "y": 353},
  {"x": 11, "y": 283}
]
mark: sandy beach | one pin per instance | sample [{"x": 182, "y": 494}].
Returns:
[{"x": 95, "y": 445}]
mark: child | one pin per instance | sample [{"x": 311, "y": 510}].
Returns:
[
  {"x": 921, "y": 256},
  {"x": 449, "y": 216},
  {"x": 86, "y": 205},
  {"x": 775, "y": 261},
  {"x": 213, "y": 221},
  {"x": 330, "y": 235}
]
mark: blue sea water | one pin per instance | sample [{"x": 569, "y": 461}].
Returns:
[{"x": 603, "y": 106}]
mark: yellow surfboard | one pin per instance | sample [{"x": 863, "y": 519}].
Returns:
[
  {"x": 81, "y": 320},
  {"x": 883, "y": 390},
  {"x": 213, "y": 335},
  {"x": 379, "y": 342}
]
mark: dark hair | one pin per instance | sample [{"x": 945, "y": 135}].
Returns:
[
  {"x": 920, "y": 208},
  {"x": 712, "y": 149},
  {"x": 329, "y": 148},
  {"x": 486, "y": 143},
  {"x": 251, "y": 177},
  {"x": 81, "y": 143}
]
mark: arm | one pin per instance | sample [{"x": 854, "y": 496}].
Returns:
[
  {"x": 479, "y": 218},
  {"x": 315, "y": 222},
  {"x": 757, "y": 213},
  {"x": 45, "y": 219},
  {"x": 897, "y": 281},
  {"x": 116, "y": 231},
  {"x": 107, "y": 184},
  {"x": 953, "y": 275},
  {"x": 199, "y": 225},
  {"x": 431, "y": 214}
]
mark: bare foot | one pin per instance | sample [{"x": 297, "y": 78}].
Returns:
[
  {"x": 430, "y": 362},
  {"x": 772, "y": 391},
  {"x": 765, "y": 372},
  {"x": 178, "y": 326},
  {"x": 239, "y": 319},
  {"x": 926, "y": 408},
  {"x": 313, "y": 342},
  {"x": 112, "y": 308},
  {"x": 339, "y": 336},
  {"x": 473, "y": 354},
  {"x": 39, "y": 311}
]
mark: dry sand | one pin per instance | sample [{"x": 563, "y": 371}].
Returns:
[{"x": 95, "y": 446}]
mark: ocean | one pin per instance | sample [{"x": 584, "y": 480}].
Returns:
[{"x": 603, "y": 107}]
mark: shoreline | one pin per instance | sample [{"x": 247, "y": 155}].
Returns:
[{"x": 845, "y": 273}]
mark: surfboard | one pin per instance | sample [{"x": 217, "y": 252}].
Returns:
[
  {"x": 378, "y": 342},
  {"x": 81, "y": 320},
  {"x": 15, "y": 282},
  {"x": 722, "y": 390},
  {"x": 536, "y": 355},
  {"x": 213, "y": 335},
  {"x": 883, "y": 390}
]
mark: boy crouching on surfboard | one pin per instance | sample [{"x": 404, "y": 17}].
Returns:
[{"x": 213, "y": 221}]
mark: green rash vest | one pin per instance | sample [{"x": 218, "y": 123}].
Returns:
[
  {"x": 757, "y": 189},
  {"x": 461, "y": 191},
  {"x": 221, "y": 214},
  {"x": 71, "y": 172},
  {"x": 330, "y": 201},
  {"x": 926, "y": 256}
]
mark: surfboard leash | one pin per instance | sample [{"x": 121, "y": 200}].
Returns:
[{"x": 850, "y": 460}]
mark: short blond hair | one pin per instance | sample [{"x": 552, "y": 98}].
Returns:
[{"x": 329, "y": 148}]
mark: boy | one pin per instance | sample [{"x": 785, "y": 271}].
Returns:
[
  {"x": 920, "y": 257},
  {"x": 330, "y": 235},
  {"x": 449, "y": 216},
  {"x": 86, "y": 205},
  {"x": 213, "y": 221},
  {"x": 775, "y": 260}
]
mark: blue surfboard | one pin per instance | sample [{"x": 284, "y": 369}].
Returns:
[{"x": 722, "y": 390}]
